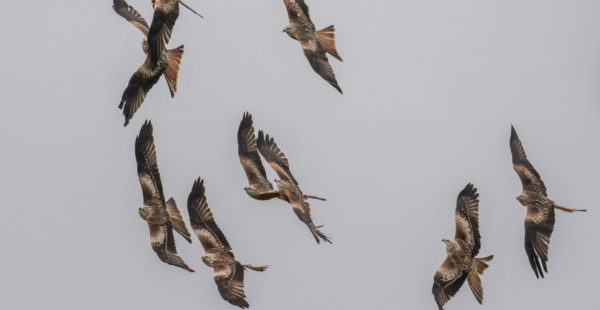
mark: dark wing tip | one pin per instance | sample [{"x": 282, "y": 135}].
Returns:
[
  {"x": 469, "y": 191},
  {"x": 261, "y": 138},
  {"x": 246, "y": 122},
  {"x": 197, "y": 192},
  {"x": 513, "y": 133}
]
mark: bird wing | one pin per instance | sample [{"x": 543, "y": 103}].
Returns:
[
  {"x": 530, "y": 178},
  {"x": 139, "y": 85},
  {"x": 539, "y": 224},
  {"x": 275, "y": 157},
  {"x": 248, "y": 152},
  {"x": 177, "y": 220},
  {"x": 203, "y": 222},
  {"x": 298, "y": 14},
  {"x": 317, "y": 58},
  {"x": 161, "y": 29},
  {"x": 147, "y": 165},
  {"x": 466, "y": 217},
  {"x": 163, "y": 243},
  {"x": 229, "y": 277},
  {"x": 131, "y": 15},
  {"x": 447, "y": 281}
]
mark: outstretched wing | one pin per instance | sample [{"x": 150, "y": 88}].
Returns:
[
  {"x": 163, "y": 243},
  {"x": 229, "y": 277},
  {"x": 317, "y": 58},
  {"x": 446, "y": 282},
  {"x": 275, "y": 157},
  {"x": 298, "y": 14},
  {"x": 467, "y": 218},
  {"x": 203, "y": 222},
  {"x": 163, "y": 21},
  {"x": 147, "y": 165},
  {"x": 131, "y": 15},
  {"x": 248, "y": 152},
  {"x": 539, "y": 224},
  {"x": 530, "y": 178},
  {"x": 177, "y": 221},
  {"x": 139, "y": 85}
]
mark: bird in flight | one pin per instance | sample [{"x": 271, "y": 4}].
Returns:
[
  {"x": 162, "y": 216},
  {"x": 315, "y": 43},
  {"x": 228, "y": 273},
  {"x": 287, "y": 184},
  {"x": 173, "y": 55},
  {"x": 166, "y": 13},
  {"x": 460, "y": 263},
  {"x": 258, "y": 186},
  {"x": 539, "y": 220}
]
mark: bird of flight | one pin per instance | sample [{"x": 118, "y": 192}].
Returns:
[
  {"x": 460, "y": 263},
  {"x": 162, "y": 216},
  {"x": 228, "y": 273},
  {"x": 159, "y": 60},
  {"x": 315, "y": 43},
  {"x": 539, "y": 220}
]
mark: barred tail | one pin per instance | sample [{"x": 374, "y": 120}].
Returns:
[
  {"x": 172, "y": 71},
  {"x": 326, "y": 37}
]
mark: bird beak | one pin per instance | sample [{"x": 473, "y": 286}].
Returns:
[{"x": 183, "y": 3}]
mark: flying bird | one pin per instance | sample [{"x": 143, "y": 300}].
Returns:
[
  {"x": 166, "y": 13},
  {"x": 460, "y": 263},
  {"x": 162, "y": 217},
  {"x": 258, "y": 186},
  {"x": 288, "y": 186},
  {"x": 173, "y": 55},
  {"x": 539, "y": 220},
  {"x": 228, "y": 273},
  {"x": 315, "y": 43}
]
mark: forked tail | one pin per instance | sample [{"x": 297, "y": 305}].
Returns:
[
  {"x": 569, "y": 209},
  {"x": 318, "y": 234},
  {"x": 259, "y": 268},
  {"x": 326, "y": 37},
  {"x": 478, "y": 267},
  {"x": 172, "y": 72}
]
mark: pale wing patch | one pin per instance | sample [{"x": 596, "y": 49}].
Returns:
[
  {"x": 148, "y": 187},
  {"x": 158, "y": 234},
  {"x": 207, "y": 239}
]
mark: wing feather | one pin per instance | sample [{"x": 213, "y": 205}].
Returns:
[
  {"x": 203, "y": 222},
  {"x": 147, "y": 165},
  {"x": 161, "y": 29},
  {"x": 275, "y": 157},
  {"x": 539, "y": 225},
  {"x": 248, "y": 152},
  {"x": 131, "y": 15},
  {"x": 530, "y": 178},
  {"x": 298, "y": 13},
  {"x": 177, "y": 220},
  {"x": 467, "y": 218},
  {"x": 229, "y": 278},
  {"x": 446, "y": 282}
]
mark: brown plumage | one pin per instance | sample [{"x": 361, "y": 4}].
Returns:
[
  {"x": 315, "y": 44},
  {"x": 460, "y": 264},
  {"x": 288, "y": 186},
  {"x": 539, "y": 220},
  {"x": 228, "y": 273},
  {"x": 162, "y": 217},
  {"x": 173, "y": 55}
]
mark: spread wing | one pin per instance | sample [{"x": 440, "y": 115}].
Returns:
[
  {"x": 275, "y": 157},
  {"x": 298, "y": 14},
  {"x": 163, "y": 243},
  {"x": 317, "y": 58},
  {"x": 139, "y": 85},
  {"x": 229, "y": 277},
  {"x": 131, "y": 15},
  {"x": 203, "y": 222},
  {"x": 530, "y": 178},
  {"x": 177, "y": 220},
  {"x": 446, "y": 282},
  {"x": 302, "y": 210},
  {"x": 539, "y": 224},
  {"x": 163, "y": 21},
  {"x": 248, "y": 152},
  {"x": 147, "y": 165},
  {"x": 467, "y": 218}
]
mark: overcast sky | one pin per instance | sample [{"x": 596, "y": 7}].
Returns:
[{"x": 430, "y": 90}]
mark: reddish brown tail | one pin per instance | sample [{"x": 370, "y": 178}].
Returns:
[
  {"x": 569, "y": 209},
  {"x": 255, "y": 268},
  {"x": 326, "y": 37},
  {"x": 172, "y": 71}
]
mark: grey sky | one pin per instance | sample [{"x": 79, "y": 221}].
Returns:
[{"x": 430, "y": 91}]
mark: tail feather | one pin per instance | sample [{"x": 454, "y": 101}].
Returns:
[
  {"x": 479, "y": 266},
  {"x": 326, "y": 37},
  {"x": 569, "y": 209},
  {"x": 172, "y": 72},
  {"x": 255, "y": 268},
  {"x": 318, "y": 234}
]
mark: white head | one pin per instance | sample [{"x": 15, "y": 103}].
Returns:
[
  {"x": 289, "y": 30},
  {"x": 145, "y": 212},
  {"x": 522, "y": 198},
  {"x": 208, "y": 260},
  {"x": 450, "y": 245}
]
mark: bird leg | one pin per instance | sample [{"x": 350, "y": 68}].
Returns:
[
  {"x": 569, "y": 209},
  {"x": 189, "y": 8}
]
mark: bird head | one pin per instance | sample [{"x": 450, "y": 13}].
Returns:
[
  {"x": 522, "y": 198},
  {"x": 289, "y": 30},
  {"x": 208, "y": 260},
  {"x": 145, "y": 212},
  {"x": 249, "y": 190}
]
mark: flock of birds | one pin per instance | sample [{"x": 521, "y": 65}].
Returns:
[{"x": 163, "y": 216}]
